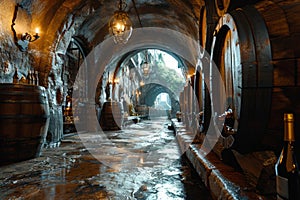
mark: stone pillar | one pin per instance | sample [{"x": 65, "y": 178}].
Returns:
[
  {"x": 55, "y": 97},
  {"x": 55, "y": 130}
]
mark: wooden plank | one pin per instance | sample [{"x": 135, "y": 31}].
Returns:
[{"x": 258, "y": 167}]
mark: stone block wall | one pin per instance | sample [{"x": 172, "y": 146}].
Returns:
[
  {"x": 45, "y": 55},
  {"x": 10, "y": 57}
]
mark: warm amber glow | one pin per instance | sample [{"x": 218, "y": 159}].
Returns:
[
  {"x": 116, "y": 80},
  {"x": 191, "y": 75},
  {"x": 120, "y": 27},
  {"x": 141, "y": 160},
  {"x": 146, "y": 68}
]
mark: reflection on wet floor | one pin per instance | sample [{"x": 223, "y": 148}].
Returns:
[{"x": 142, "y": 161}]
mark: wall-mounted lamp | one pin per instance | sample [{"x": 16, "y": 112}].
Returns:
[
  {"x": 190, "y": 77},
  {"x": 25, "y": 38},
  {"x": 120, "y": 25},
  {"x": 31, "y": 38},
  {"x": 116, "y": 81}
]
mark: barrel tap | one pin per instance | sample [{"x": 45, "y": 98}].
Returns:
[
  {"x": 200, "y": 120},
  {"x": 228, "y": 125}
]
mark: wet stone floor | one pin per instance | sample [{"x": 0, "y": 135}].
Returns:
[{"x": 142, "y": 161}]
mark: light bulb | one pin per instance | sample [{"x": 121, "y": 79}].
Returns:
[{"x": 37, "y": 31}]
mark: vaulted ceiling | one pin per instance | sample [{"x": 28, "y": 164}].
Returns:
[
  {"x": 177, "y": 15},
  {"x": 88, "y": 19},
  {"x": 60, "y": 20}
]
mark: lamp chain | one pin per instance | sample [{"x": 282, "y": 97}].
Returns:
[
  {"x": 147, "y": 56},
  {"x": 122, "y": 5}
]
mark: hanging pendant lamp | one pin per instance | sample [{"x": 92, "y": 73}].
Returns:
[
  {"x": 146, "y": 65},
  {"x": 120, "y": 25}
]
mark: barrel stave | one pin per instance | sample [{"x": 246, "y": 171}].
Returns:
[
  {"x": 24, "y": 119},
  {"x": 265, "y": 79},
  {"x": 111, "y": 117}
]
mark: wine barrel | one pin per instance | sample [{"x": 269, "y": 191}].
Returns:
[
  {"x": 192, "y": 102},
  {"x": 203, "y": 92},
  {"x": 256, "y": 51},
  {"x": 224, "y": 6},
  {"x": 181, "y": 104},
  {"x": 208, "y": 20},
  {"x": 142, "y": 110},
  {"x": 185, "y": 110},
  {"x": 111, "y": 117},
  {"x": 24, "y": 120},
  {"x": 210, "y": 11}
]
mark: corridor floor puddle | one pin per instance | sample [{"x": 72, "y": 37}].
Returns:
[{"x": 72, "y": 172}]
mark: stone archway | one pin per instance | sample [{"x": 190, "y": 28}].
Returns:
[{"x": 152, "y": 90}]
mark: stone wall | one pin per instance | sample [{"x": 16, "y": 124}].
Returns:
[
  {"x": 10, "y": 57},
  {"x": 45, "y": 55},
  {"x": 59, "y": 21}
]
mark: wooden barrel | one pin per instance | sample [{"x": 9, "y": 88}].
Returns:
[
  {"x": 142, "y": 110},
  {"x": 224, "y": 6},
  {"x": 24, "y": 120},
  {"x": 111, "y": 117},
  {"x": 181, "y": 104},
  {"x": 208, "y": 20},
  {"x": 256, "y": 50},
  {"x": 202, "y": 88},
  {"x": 193, "y": 101},
  {"x": 210, "y": 11},
  {"x": 185, "y": 110}
]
